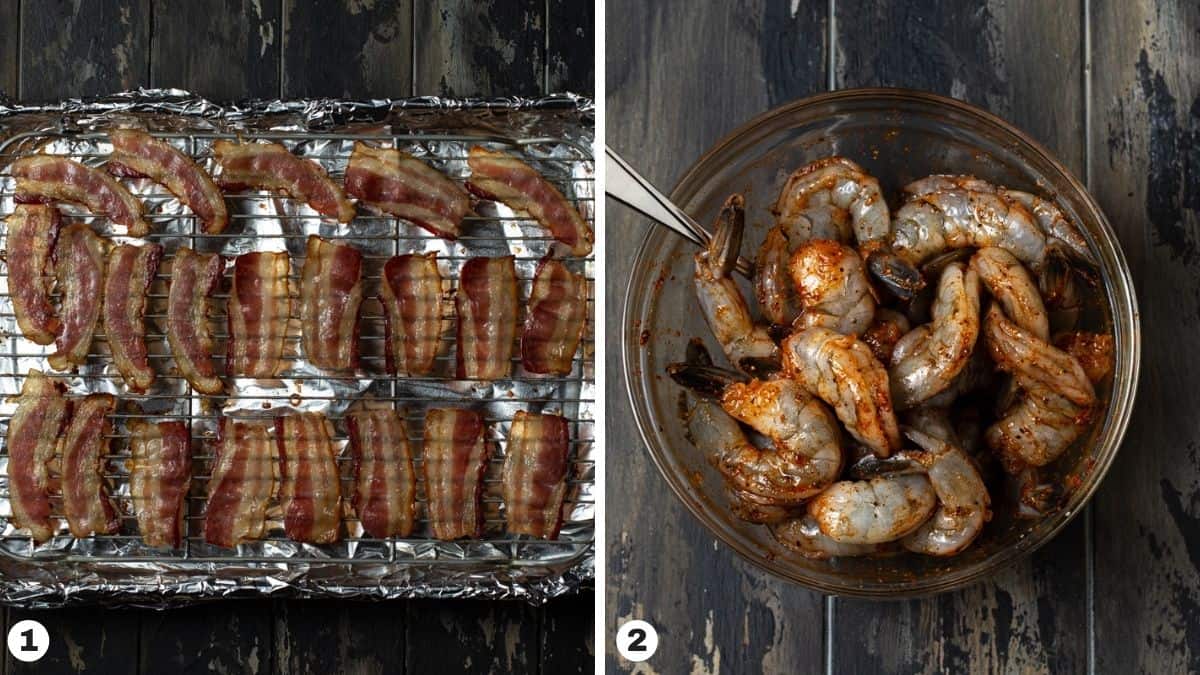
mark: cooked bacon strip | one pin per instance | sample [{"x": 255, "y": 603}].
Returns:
[
  {"x": 554, "y": 322},
  {"x": 330, "y": 295},
  {"x": 43, "y": 178},
  {"x": 312, "y": 488},
  {"x": 32, "y": 232},
  {"x": 487, "y": 317},
  {"x": 411, "y": 295},
  {"x": 258, "y": 314},
  {"x": 79, "y": 266},
  {"x": 270, "y": 166},
  {"x": 455, "y": 461},
  {"x": 160, "y": 472},
  {"x": 194, "y": 276},
  {"x": 137, "y": 153},
  {"x": 499, "y": 176},
  {"x": 127, "y": 279},
  {"x": 84, "y": 446},
  {"x": 33, "y": 433},
  {"x": 385, "y": 483},
  {"x": 535, "y": 474},
  {"x": 241, "y": 485},
  {"x": 395, "y": 182}
]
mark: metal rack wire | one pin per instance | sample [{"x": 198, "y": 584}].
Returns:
[{"x": 565, "y": 163}]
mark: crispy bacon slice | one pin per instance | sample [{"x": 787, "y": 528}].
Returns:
[
  {"x": 137, "y": 153},
  {"x": 535, "y": 474},
  {"x": 330, "y": 295},
  {"x": 487, "y": 317},
  {"x": 43, "y": 178},
  {"x": 33, "y": 434},
  {"x": 270, "y": 166},
  {"x": 258, "y": 314},
  {"x": 395, "y": 182},
  {"x": 411, "y": 295},
  {"x": 194, "y": 276},
  {"x": 160, "y": 472},
  {"x": 554, "y": 322},
  {"x": 385, "y": 483},
  {"x": 127, "y": 279},
  {"x": 499, "y": 176},
  {"x": 84, "y": 446},
  {"x": 32, "y": 232},
  {"x": 312, "y": 492},
  {"x": 241, "y": 485},
  {"x": 79, "y": 267},
  {"x": 455, "y": 462}
]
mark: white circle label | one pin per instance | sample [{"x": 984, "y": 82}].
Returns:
[
  {"x": 28, "y": 640},
  {"x": 637, "y": 640}
]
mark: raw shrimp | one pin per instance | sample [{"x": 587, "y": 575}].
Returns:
[
  {"x": 831, "y": 282},
  {"x": 806, "y": 452},
  {"x": 772, "y": 284},
  {"x": 747, "y": 345},
  {"x": 804, "y": 536},
  {"x": 840, "y": 370},
  {"x": 933, "y": 421},
  {"x": 884, "y": 332},
  {"x": 1035, "y": 363},
  {"x": 926, "y": 361},
  {"x": 1054, "y": 223},
  {"x": 1008, "y": 282},
  {"x": 873, "y": 511},
  {"x": 1094, "y": 351},
  {"x": 963, "y": 502}
]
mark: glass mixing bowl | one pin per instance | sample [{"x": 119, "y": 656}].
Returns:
[{"x": 897, "y": 136}]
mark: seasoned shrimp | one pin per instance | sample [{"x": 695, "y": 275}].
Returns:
[
  {"x": 1008, "y": 282},
  {"x": 926, "y": 361},
  {"x": 840, "y": 370},
  {"x": 1094, "y": 351},
  {"x": 930, "y": 223},
  {"x": 933, "y": 421},
  {"x": 831, "y": 282},
  {"x": 1035, "y": 363},
  {"x": 873, "y": 511},
  {"x": 772, "y": 284},
  {"x": 1054, "y": 223},
  {"x": 884, "y": 332},
  {"x": 963, "y": 501},
  {"x": 806, "y": 452},
  {"x": 747, "y": 345},
  {"x": 804, "y": 536}
]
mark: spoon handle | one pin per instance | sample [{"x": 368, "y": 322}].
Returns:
[{"x": 629, "y": 187}]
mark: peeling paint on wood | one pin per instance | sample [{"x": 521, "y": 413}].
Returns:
[
  {"x": 473, "y": 47},
  {"x": 77, "y": 48},
  {"x": 80, "y": 643},
  {"x": 570, "y": 58},
  {"x": 227, "y": 638},
  {"x": 348, "y": 49},
  {"x": 226, "y": 50},
  {"x": 472, "y": 637},
  {"x": 9, "y": 40}
]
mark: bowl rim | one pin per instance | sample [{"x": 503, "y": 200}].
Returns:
[{"x": 1118, "y": 416}]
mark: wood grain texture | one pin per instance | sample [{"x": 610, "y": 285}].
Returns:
[
  {"x": 480, "y": 48},
  {"x": 10, "y": 40},
  {"x": 348, "y": 48},
  {"x": 1145, "y": 172},
  {"x": 79, "y": 48},
  {"x": 350, "y": 638},
  {"x": 225, "y": 637},
  {"x": 471, "y": 636},
  {"x": 79, "y": 643},
  {"x": 714, "y": 612},
  {"x": 570, "y": 53},
  {"x": 568, "y": 641},
  {"x": 1003, "y": 57},
  {"x": 226, "y": 50}
]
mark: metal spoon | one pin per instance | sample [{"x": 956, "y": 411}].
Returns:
[{"x": 630, "y": 188}]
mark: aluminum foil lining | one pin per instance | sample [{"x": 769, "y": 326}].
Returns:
[{"x": 554, "y": 133}]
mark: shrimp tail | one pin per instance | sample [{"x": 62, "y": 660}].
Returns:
[
  {"x": 896, "y": 274},
  {"x": 726, "y": 243},
  {"x": 705, "y": 381}
]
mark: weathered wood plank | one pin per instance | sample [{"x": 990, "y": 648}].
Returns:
[
  {"x": 347, "y": 48},
  {"x": 472, "y": 48},
  {"x": 78, "y": 48},
  {"x": 673, "y": 100},
  {"x": 80, "y": 642},
  {"x": 226, "y": 50},
  {"x": 222, "y": 637},
  {"x": 10, "y": 40},
  {"x": 571, "y": 53},
  {"x": 1003, "y": 57},
  {"x": 1145, "y": 170},
  {"x": 568, "y": 644},
  {"x": 339, "y": 637},
  {"x": 472, "y": 636}
]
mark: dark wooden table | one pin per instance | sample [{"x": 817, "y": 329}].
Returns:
[
  {"x": 1113, "y": 88},
  {"x": 234, "y": 49}
]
